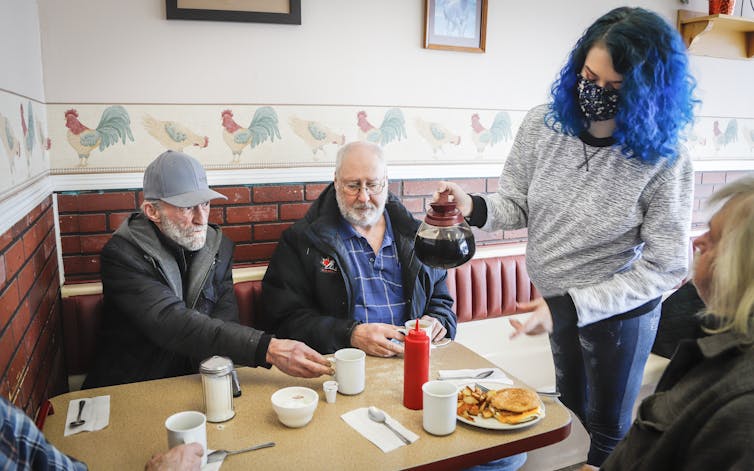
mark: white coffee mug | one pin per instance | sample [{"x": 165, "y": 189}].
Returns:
[
  {"x": 350, "y": 370},
  {"x": 187, "y": 427},
  {"x": 424, "y": 325},
  {"x": 439, "y": 414}
]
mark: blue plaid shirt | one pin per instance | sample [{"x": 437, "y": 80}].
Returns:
[
  {"x": 378, "y": 282},
  {"x": 22, "y": 445}
]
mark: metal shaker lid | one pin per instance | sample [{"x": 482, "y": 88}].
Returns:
[{"x": 216, "y": 366}]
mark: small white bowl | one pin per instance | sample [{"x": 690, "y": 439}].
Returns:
[{"x": 295, "y": 405}]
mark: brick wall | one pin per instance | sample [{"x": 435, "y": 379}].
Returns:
[
  {"x": 254, "y": 216},
  {"x": 31, "y": 357}
]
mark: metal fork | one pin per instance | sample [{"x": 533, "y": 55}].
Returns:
[{"x": 541, "y": 393}]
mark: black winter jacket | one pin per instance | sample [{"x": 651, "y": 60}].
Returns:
[
  {"x": 701, "y": 416},
  {"x": 307, "y": 288},
  {"x": 161, "y": 319}
]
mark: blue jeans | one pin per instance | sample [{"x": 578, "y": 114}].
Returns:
[
  {"x": 598, "y": 371},
  {"x": 509, "y": 463}
]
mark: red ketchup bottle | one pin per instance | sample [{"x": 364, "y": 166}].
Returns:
[{"x": 415, "y": 367}]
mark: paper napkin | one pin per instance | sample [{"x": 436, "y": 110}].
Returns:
[
  {"x": 467, "y": 375},
  {"x": 96, "y": 414},
  {"x": 376, "y": 432}
]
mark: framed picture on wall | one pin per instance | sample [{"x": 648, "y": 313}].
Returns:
[
  {"x": 255, "y": 11},
  {"x": 455, "y": 25}
]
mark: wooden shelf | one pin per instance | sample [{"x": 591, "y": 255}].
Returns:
[{"x": 725, "y": 36}]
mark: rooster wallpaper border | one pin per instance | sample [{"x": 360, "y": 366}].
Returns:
[
  {"x": 24, "y": 141},
  {"x": 127, "y": 137},
  {"x": 272, "y": 142}
]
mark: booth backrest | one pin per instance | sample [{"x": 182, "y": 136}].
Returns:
[
  {"x": 489, "y": 287},
  {"x": 483, "y": 288}
]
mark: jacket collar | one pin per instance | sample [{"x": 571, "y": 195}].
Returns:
[
  {"x": 720, "y": 344},
  {"x": 138, "y": 230},
  {"x": 324, "y": 214}
]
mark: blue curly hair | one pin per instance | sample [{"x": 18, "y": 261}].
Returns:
[{"x": 656, "y": 98}]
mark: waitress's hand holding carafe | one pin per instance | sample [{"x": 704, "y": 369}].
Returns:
[
  {"x": 454, "y": 193},
  {"x": 444, "y": 239}
]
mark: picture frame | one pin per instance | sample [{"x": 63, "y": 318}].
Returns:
[
  {"x": 254, "y": 11},
  {"x": 453, "y": 25}
]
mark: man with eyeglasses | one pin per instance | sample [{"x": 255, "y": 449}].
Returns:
[
  {"x": 346, "y": 275},
  {"x": 167, "y": 280}
]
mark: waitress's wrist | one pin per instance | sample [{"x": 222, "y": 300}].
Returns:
[{"x": 478, "y": 215}]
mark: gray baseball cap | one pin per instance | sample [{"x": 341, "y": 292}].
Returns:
[{"x": 178, "y": 179}]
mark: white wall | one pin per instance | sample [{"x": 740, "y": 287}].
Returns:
[
  {"x": 21, "y": 70},
  {"x": 345, "y": 52},
  {"x": 23, "y": 170}
]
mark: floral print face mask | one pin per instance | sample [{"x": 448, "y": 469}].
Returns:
[{"x": 597, "y": 103}]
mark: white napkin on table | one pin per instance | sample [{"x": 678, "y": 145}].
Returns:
[
  {"x": 466, "y": 375},
  {"x": 96, "y": 413},
  {"x": 376, "y": 432}
]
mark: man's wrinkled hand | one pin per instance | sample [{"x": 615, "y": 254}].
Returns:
[
  {"x": 539, "y": 322},
  {"x": 375, "y": 339},
  {"x": 297, "y": 359},
  {"x": 181, "y": 458},
  {"x": 438, "y": 330}
]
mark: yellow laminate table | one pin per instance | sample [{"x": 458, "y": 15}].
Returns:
[{"x": 138, "y": 412}]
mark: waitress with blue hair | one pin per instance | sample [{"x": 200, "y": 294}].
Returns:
[{"x": 599, "y": 177}]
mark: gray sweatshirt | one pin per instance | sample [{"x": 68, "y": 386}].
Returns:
[{"x": 613, "y": 237}]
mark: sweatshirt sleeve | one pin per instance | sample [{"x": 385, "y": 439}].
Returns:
[
  {"x": 508, "y": 207},
  {"x": 664, "y": 259}
]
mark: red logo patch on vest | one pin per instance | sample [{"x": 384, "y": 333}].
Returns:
[{"x": 328, "y": 264}]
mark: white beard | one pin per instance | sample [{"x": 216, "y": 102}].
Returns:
[
  {"x": 360, "y": 214},
  {"x": 186, "y": 238}
]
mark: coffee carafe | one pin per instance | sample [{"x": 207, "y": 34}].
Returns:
[{"x": 444, "y": 239}]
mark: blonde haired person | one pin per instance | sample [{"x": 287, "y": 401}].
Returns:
[{"x": 702, "y": 415}]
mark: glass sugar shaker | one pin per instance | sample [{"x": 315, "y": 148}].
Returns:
[{"x": 216, "y": 374}]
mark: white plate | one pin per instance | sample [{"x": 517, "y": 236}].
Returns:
[{"x": 492, "y": 423}]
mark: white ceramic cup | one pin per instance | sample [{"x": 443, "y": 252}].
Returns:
[
  {"x": 350, "y": 370},
  {"x": 439, "y": 414},
  {"x": 331, "y": 390},
  {"x": 424, "y": 325},
  {"x": 187, "y": 427}
]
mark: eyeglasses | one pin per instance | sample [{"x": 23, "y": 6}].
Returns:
[{"x": 372, "y": 188}]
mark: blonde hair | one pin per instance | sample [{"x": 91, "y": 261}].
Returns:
[{"x": 731, "y": 298}]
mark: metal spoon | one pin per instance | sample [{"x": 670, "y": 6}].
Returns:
[
  {"x": 219, "y": 455},
  {"x": 379, "y": 416},
  {"x": 480, "y": 375},
  {"x": 79, "y": 420}
]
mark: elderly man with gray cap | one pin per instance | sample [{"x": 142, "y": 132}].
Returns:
[{"x": 168, "y": 289}]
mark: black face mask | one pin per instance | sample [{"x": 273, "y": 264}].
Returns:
[{"x": 597, "y": 103}]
